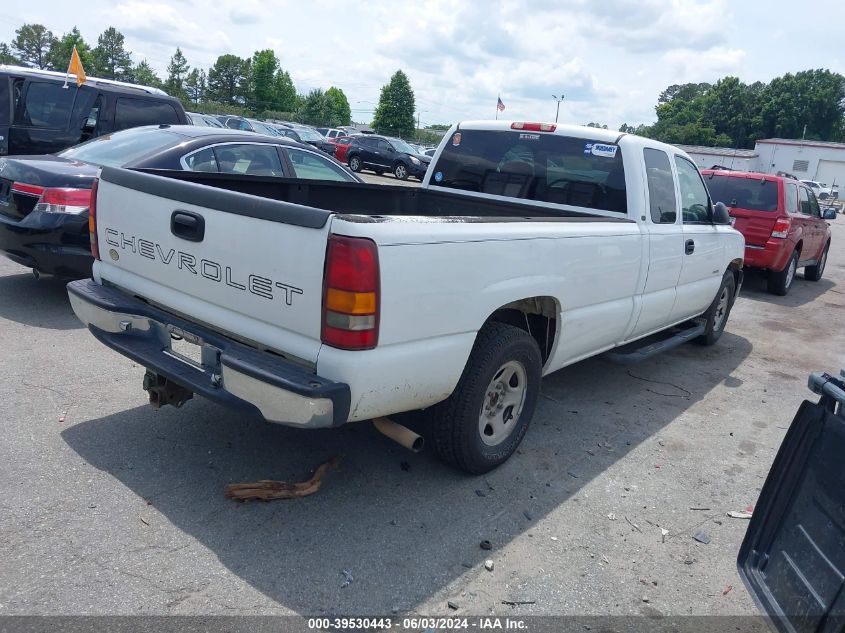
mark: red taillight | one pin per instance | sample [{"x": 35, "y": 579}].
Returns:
[
  {"x": 29, "y": 190},
  {"x": 533, "y": 127},
  {"x": 64, "y": 200},
  {"x": 92, "y": 219},
  {"x": 351, "y": 293},
  {"x": 781, "y": 227}
]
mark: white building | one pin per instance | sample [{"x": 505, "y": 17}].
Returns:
[
  {"x": 707, "y": 157},
  {"x": 821, "y": 161}
]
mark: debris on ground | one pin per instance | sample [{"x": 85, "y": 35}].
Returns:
[
  {"x": 485, "y": 544},
  {"x": 605, "y": 559},
  {"x": 527, "y": 515},
  {"x": 739, "y": 514},
  {"x": 62, "y": 417},
  {"x": 611, "y": 516},
  {"x": 702, "y": 537},
  {"x": 349, "y": 578},
  {"x": 646, "y": 599},
  {"x": 515, "y": 603},
  {"x": 633, "y": 525},
  {"x": 480, "y": 493},
  {"x": 488, "y": 565},
  {"x": 268, "y": 490},
  {"x": 144, "y": 521},
  {"x": 727, "y": 590},
  {"x": 452, "y": 605},
  {"x": 699, "y": 508},
  {"x": 663, "y": 534},
  {"x": 554, "y": 538}
]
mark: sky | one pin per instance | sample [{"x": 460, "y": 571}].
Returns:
[{"x": 609, "y": 58}]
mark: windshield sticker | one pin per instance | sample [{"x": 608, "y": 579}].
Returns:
[
  {"x": 438, "y": 176},
  {"x": 601, "y": 149},
  {"x": 529, "y": 137},
  {"x": 456, "y": 139}
]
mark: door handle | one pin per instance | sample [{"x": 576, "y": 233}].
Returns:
[
  {"x": 689, "y": 247},
  {"x": 187, "y": 225}
]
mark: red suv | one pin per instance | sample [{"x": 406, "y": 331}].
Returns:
[{"x": 781, "y": 220}]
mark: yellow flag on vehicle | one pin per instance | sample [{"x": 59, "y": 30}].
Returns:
[{"x": 75, "y": 68}]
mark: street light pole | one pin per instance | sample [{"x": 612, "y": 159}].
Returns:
[{"x": 558, "y": 99}]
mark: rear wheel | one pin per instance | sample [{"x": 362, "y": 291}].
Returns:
[
  {"x": 779, "y": 283},
  {"x": 481, "y": 424},
  {"x": 355, "y": 164},
  {"x": 400, "y": 171},
  {"x": 717, "y": 314},
  {"x": 814, "y": 273}
]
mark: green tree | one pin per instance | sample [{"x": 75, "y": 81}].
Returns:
[
  {"x": 111, "y": 59},
  {"x": 627, "y": 129},
  {"x": 811, "y": 98},
  {"x": 6, "y": 56},
  {"x": 262, "y": 88},
  {"x": 177, "y": 71},
  {"x": 32, "y": 45},
  {"x": 598, "y": 125},
  {"x": 144, "y": 74},
  {"x": 317, "y": 109},
  {"x": 394, "y": 114},
  {"x": 59, "y": 56},
  {"x": 284, "y": 92},
  {"x": 195, "y": 85},
  {"x": 340, "y": 106},
  {"x": 227, "y": 79}
]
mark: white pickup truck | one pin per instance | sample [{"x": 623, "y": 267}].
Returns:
[{"x": 529, "y": 247}]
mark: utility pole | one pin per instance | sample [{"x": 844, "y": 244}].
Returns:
[{"x": 558, "y": 99}]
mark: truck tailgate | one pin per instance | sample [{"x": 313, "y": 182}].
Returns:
[{"x": 250, "y": 266}]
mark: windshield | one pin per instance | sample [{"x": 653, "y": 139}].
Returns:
[
  {"x": 307, "y": 134},
  {"x": 121, "y": 148},
  {"x": 753, "y": 194},
  {"x": 263, "y": 128},
  {"x": 402, "y": 146},
  {"x": 548, "y": 168}
]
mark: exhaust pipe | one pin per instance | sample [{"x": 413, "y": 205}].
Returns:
[{"x": 400, "y": 434}]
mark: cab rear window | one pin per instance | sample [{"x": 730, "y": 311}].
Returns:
[
  {"x": 534, "y": 166},
  {"x": 752, "y": 194}
]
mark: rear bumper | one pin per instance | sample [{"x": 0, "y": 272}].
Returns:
[
  {"x": 773, "y": 256},
  {"x": 231, "y": 373},
  {"x": 53, "y": 243}
]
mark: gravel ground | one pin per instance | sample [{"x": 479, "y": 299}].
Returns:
[{"x": 111, "y": 507}]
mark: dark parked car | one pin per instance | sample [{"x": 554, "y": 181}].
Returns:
[
  {"x": 38, "y": 115},
  {"x": 44, "y": 199},
  {"x": 381, "y": 154},
  {"x": 208, "y": 120},
  {"x": 792, "y": 559},
  {"x": 305, "y": 134}
]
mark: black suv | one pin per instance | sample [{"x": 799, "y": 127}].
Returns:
[
  {"x": 381, "y": 154},
  {"x": 39, "y": 115}
]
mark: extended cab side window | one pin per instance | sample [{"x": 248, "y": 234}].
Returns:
[
  {"x": 661, "y": 187},
  {"x": 310, "y": 166},
  {"x": 135, "y": 112},
  {"x": 248, "y": 158},
  {"x": 790, "y": 194},
  {"x": 694, "y": 198}
]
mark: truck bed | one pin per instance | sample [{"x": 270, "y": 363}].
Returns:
[{"x": 313, "y": 201}]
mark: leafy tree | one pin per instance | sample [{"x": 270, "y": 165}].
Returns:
[
  {"x": 111, "y": 59},
  {"x": 285, "y": 97},
  {"x": 340, "y": 106},
  {"x": 627, "y": 129},
  {"x": 195, "y": 85},
  {"x": 59, "y": 56},
  {"x": 598, "y": 125},
  {"x": 318, "y": 109},
  {"x": 32, "y": 45},
  {"x": 227, "y": 79},
  {"x": 438, "y": 126},
  {"x": 729, "y": 108},
  {"x": 177, "y": 71},
  {"x": 6, "y": 56},
  {"x": 262, "y": 89},
  {"x": 144, "y": 74},
  {"x": 395, "y": 111},
  {"x": 815, "y": 98}
]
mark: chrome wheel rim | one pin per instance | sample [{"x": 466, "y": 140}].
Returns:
[
  {"x": 400, "y": 172},
  {"x": 355, "y": 164},
  {"x": 504, "y": 399},
  {"x": 721, "y": 310},
  {"x": 790, "y": 274}
]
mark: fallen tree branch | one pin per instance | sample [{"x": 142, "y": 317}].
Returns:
[{"x": 268, "y": 490}]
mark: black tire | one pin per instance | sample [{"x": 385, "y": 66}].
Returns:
[
  {"x": 400, "y": 170},
  {"x": 717, "y": 314},
  {"x": 814, "y": 273},
  {"x": 355, "y": 163},
  {"x": 456, "y": 423},
  {"x": 780, "y": 282}
]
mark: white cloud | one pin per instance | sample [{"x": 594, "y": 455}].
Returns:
[{"x": 708, "y": 65}]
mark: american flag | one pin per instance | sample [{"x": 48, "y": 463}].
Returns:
[{"x": 500, "y": 106}]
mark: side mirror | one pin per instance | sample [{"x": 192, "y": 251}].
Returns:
[
  {"x": 720, "y": 214},
  {"x": 829, "y": 214}
]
